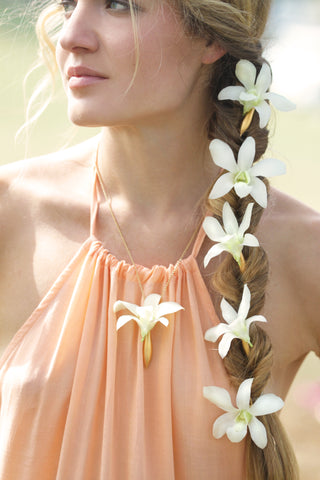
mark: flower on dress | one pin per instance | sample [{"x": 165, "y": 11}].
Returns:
[
  {"x": 232, "y": 238},
  {"x": 243, "y": 175},
  {"x": 147, "y": 315},
  {"x": 254, "y": 93},
  {"x": 237, "y": 326},
  {"x": 237, "y": 420}
]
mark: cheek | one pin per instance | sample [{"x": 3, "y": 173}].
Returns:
[
  {"x": 166, "y": 51},
  {"x": 170, "y": 65},
  {"x": 120, "y": 55}
]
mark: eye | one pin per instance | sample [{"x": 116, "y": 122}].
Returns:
[
  {"x": 68, "y": 6},
  {"x": 117, "y": 5},
  {"x": 120, "y": 5}
]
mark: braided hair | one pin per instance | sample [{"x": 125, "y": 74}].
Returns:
[{"x": 237, "y": 26}]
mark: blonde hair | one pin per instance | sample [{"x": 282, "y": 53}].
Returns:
[
  {"x": 237, "y": 26},
  {"x": 48, "y": 27}
]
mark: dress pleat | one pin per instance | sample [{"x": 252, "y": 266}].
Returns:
[{"x": 76, "y": 402}]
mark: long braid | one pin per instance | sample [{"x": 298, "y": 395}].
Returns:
[{"x": 235, "y": 27}]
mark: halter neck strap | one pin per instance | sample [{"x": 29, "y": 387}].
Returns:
[
  {"x": 94, "y": 209},
  {"x": 198, "y": 242}
]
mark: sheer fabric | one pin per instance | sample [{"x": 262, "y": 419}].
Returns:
[{"x": 76, "y": 402}]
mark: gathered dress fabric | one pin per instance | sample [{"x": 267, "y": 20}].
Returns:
[{"x": 77, "y": 403}]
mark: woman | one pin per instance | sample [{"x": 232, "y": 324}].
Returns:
[{"x": 82, "y": 397}]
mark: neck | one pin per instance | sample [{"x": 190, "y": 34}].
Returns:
[{"x": 147, "y": 168}]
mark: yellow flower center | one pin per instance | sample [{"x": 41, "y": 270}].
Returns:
[
  {"x": 242, "y": 176},
  {"x": 244, "y": 417}
]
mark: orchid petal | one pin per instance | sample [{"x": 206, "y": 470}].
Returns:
[
  {"x": 222, "y": 186},
  {"x": 152, "y": 300},
  {"x": 264, "y": 112},
  {"x": 225, "y": 343},
  {"x": 147, "y": 315},
  {"x": 246, "y": 153},
  {"x": 243, "y": 395},
  {"x": 236, "y": 422},
  {"x": 280, "y": 102},
  {"x": 163, "y": 320},
  {"x": 125, "y": 319},
  {"x": 228, "y": 312},
  {"x": 268, "y": 167},
  {"x": 256, "y": 318},
  {"x": 213, "y": 252},
  {"x": 247, "y": 97},
  {"x": 213, "y": 228},
  {"x": 214, "y": 333},
  {"x": 245, "y": 303},
  {"x": 222, "y": 424},
  {"x": 120, "y": 305},
  {"x": 231, "y": 93},
  {"x": 268, "y": 403},
  {"x": 250, "y": 240},
  {"x": 142, "y": 310},
  {"x": 237, "y": 432},
  {"x": 166, "y": 308},
  {"x": 264, "y": 79},
  {"x": 220, "y": 397},
  {"x": 229, "y": 220},
  {"x": 259, "y": 192},
  {"x": 246, "y": 72},
  {"x": 222, "y": 155},
  {"x": 242, "y": 189},
  {"x": 258, "y": 433},
  {"x": 246, "y": 220}
]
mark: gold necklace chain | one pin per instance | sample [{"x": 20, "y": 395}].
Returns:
[
  {"x": 172, "y": 306},
  {"x": 114, "y": 218}
]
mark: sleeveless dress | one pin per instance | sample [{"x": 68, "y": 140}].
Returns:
[{"x": 76, "y": 402}]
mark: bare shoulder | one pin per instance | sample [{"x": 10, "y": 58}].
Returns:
[
  {"x": 44, "y": 217},
  {"x": 49, "y": 168},
  {"x": 294, "y": 228},
  {"x": 42, "y": 200},
  {"x": 25, "y": 185},
  {"x": 290, "y": 233}
]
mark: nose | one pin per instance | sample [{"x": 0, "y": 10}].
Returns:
[{"x": 78, "y": 32}]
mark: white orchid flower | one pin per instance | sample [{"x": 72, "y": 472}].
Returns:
[
  {"x": 232, "y": 238},
  {"x": 243, "y": 175},
  {"x": 236, "y": 422},
  {"x": 147, "y": 315},
  {"x": 254, "y": 93},
  {"x": 237, "y": 326}
]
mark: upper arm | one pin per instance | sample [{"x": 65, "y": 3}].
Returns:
[
  {"x": 290, "y": 233},
  {"x": 304, "y": 270},
  {"x": 311, "y": 281}
]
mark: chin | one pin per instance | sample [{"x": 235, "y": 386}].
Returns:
[
  {"x": 79, "y": 122},
  {"x": 84, "y": 117}
]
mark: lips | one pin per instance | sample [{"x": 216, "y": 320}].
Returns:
[{"x": 81, "y": 76}]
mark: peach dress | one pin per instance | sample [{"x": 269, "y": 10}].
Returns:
[{"x": 76, "y": 402}]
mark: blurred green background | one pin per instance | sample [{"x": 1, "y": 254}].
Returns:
[{"x": 293, "y": 47}]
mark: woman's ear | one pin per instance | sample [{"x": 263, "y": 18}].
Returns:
[{"x": 213, "y": 51}]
